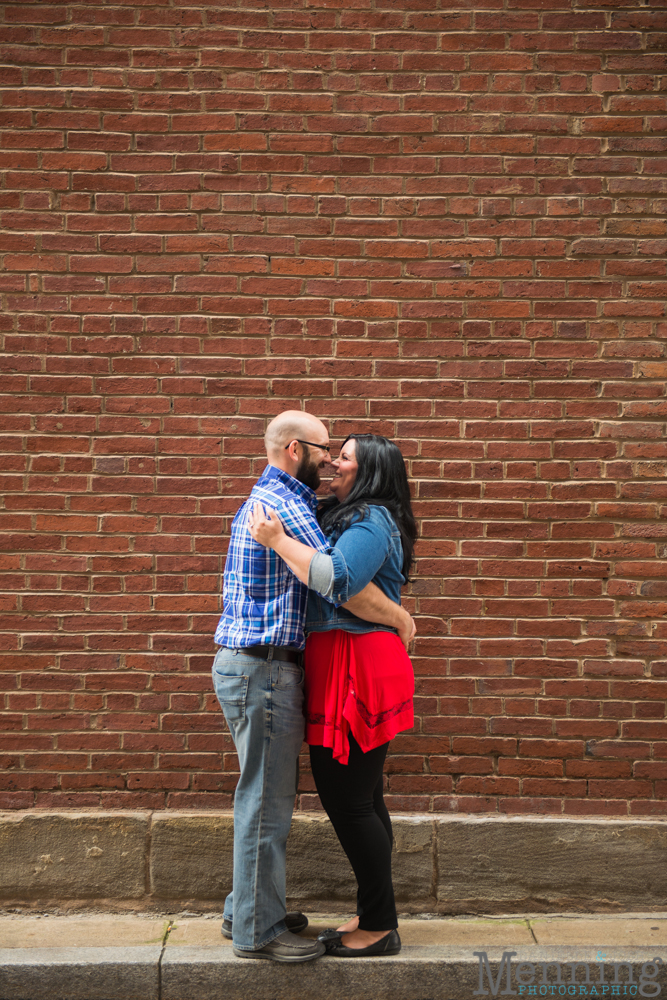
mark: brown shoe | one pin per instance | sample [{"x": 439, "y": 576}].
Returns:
[{"x": 287, "y": 947}]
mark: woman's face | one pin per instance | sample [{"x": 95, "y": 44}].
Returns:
[{"x": 345, "y": 470}]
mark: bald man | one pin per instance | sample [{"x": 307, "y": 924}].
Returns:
[{"x": 258, "y": 680}]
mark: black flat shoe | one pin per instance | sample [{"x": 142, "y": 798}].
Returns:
[
  {"x": 388, "y": 945},
  {"x": 329, "y": 934}
]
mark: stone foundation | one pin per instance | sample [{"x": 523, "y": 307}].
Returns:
[{"x": 443, "y": 864}]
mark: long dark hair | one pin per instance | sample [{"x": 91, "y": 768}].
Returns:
[{"x": 381, "y": 482}]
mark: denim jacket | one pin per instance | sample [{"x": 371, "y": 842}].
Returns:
[{"x": 370, "y": 550}]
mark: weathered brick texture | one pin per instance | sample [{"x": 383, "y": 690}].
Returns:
[{"x": 440, "y": 221}]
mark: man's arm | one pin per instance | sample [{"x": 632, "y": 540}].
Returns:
[{"x": 373, "y": 605}]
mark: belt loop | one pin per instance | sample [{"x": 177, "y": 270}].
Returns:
[{"x": 271, "y": 649}]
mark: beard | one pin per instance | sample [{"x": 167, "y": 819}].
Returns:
[{"x": 307, "y": 471}]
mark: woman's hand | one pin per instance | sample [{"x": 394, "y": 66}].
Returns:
[
  {"x": 407, "y": 631},
  {"x": 265, "y": 528}
]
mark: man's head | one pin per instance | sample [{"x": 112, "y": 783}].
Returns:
[{"x": 298, "y": 443}]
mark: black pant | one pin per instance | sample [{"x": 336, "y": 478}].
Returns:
[{"x": 352, "y": 797}]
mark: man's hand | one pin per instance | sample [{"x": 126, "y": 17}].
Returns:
[{"x": 265, "y": 528}]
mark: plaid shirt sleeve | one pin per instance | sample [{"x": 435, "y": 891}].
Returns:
[
  {"x": 299, "y": 523},
  {"x": 264, "y": 603}
]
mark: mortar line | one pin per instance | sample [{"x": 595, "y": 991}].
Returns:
[
  {"x": 149, "y": 851},
  {"x": 435, "y": 861}
]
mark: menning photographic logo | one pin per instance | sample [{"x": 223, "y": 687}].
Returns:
[{"x": 554, "y": 982}]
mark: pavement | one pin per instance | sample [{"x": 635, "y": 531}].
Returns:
[{"x": 106, "y": 956}]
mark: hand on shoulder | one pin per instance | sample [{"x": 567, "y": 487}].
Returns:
[{"x": 265, "y": 525}]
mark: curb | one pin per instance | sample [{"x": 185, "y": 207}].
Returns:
[{"x": 456, "y": 959}]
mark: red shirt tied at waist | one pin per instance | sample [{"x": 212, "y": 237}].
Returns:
[{"x": 361, "y": 683}]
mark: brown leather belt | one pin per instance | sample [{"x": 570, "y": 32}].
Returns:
[{"x": 273, "y": 653}]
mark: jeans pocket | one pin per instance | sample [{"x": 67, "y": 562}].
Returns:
[
  {"x": 290, "y": 675},
  {"x": 232, "y": 692}
]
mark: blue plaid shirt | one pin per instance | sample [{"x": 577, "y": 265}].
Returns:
[{"x": 264, "y": 603}]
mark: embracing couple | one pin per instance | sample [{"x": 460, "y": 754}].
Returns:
[{"x": 333, "y": 572}]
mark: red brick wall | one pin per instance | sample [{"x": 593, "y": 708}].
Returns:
[{"x": 440, "y": 222}]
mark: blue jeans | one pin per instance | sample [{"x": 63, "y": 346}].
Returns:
[{"x": 262, "y": 701}]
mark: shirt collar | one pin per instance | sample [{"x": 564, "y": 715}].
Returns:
[{"x": 292, "y": 484}]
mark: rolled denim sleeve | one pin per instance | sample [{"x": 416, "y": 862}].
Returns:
[{"x": 359, "y": 553}]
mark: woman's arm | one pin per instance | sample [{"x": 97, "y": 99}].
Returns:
[
  {"x": 373, "y": 605},
  {"x": 268, "y": 531},
  {"x": 370, "y": 603}
]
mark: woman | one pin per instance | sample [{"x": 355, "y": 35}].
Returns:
[{"x": 359, "y": 679}]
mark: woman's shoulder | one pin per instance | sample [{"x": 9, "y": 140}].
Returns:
[
  {"x": 382, "y": 517},
  {"x": 365, "y": 515}
]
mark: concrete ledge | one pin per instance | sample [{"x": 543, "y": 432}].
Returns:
[
  {"x": 80, "y": 973},
  {"x": 93, "y": 957},
  {"x": 415, "y": 974},
  {"x": 440, "y": 960},
  {"x": 198, "y": 975},
  {"x": 442, "y": 864}
]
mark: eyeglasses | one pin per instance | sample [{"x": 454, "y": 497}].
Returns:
[{"x": 313, "y": 444}]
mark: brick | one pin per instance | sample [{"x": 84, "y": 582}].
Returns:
[{"x": 391, "y": 236}]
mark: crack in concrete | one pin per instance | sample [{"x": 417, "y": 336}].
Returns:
[{"x": 165, "y": 938}]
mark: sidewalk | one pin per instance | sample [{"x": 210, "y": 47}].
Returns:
[{"x": 184, "y": 957}]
